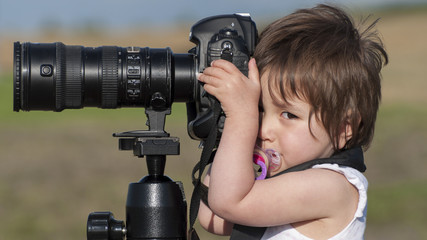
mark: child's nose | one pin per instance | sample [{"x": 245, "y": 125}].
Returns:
[{"x": 265, "y": 132}]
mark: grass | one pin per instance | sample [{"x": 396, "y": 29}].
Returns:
[
  {"x": 397, "y": 211},
  {"x": 56, "y": 167},
  {"x": 396, "y": 171},
  {"x": 396, "y": 197}
]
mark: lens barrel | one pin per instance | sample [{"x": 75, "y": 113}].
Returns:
[{"x": 55, "y": 76}]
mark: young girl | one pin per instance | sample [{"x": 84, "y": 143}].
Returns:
[{"x": 312, "y": 93}]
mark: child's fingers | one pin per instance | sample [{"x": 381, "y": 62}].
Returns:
[
  {"x": 216, "y": 72},
  {"x": 210, "y": 84},
  {"x": 210, "y": 81},
  {"x": 253, "y": 70},
  {"x": 205, "y": 78},
  {"x": 225, "y": 65},
  {"x": 210, "y": 89}
]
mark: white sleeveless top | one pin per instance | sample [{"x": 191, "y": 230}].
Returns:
[{"x": 353, "y": 231}]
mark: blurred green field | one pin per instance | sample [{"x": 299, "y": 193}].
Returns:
[{"x": 56, "y": 168}]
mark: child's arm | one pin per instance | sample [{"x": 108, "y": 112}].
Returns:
[
  {"x": 209, "y": 220},
  {"x": 233, "y": 100}
]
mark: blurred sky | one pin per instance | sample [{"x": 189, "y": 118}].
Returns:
[{"x": 33, "y": 15}]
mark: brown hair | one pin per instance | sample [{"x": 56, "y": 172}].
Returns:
[{"x": 318, "y": 55}]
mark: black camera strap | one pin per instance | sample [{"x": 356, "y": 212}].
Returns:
[
  {"x": 349, "y": 158},
  {"x": 208, "y": 153}
]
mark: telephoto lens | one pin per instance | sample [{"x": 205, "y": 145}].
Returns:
[{"x": 55, "y": 76}]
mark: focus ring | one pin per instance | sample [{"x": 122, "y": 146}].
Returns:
[
  {"x": 60, "y": 77},
  {"x": 17, "y": 77},
  {"x": 73, "y": 75},
  {"x": 109, "y": 77}
]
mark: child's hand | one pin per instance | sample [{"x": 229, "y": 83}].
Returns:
[{"x": 237, "y": 93}]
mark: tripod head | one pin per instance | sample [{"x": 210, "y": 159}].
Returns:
[
  {"x": 156, "y": 207},
  {"x": 152, "y": 142}
]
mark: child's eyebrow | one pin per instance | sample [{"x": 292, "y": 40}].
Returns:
[
  {"x": 289, "y": 106},
  {"x": 282, "y": 103}
]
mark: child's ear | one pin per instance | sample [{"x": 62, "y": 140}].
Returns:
[
  {"x": 346, "y": 134},
  {"x": 346, "y": 131}
]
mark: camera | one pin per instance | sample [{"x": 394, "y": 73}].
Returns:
[{"x": 54, "y": 76}]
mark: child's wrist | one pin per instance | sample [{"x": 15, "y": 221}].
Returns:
[{"x": 244, "y": 114}]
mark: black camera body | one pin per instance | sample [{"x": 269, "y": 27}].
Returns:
[
  {"x": 54, "y": 76},
  {"x": 212, "y": 34},
  {"x": 229, "y": 37}
]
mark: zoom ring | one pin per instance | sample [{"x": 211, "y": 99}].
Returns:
[
  {"x": 109, "y": 77},
  {"x": 68, "y": 77}
]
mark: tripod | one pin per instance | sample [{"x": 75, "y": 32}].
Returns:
[{"x": 156, "y": 207}]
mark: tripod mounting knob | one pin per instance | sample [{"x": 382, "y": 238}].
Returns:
[{"x": 103, "y": 226}]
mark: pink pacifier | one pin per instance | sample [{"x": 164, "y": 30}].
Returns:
[{"x": 268, "y": 159}]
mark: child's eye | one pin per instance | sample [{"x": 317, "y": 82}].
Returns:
[{"x": 288, "y": 115}]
